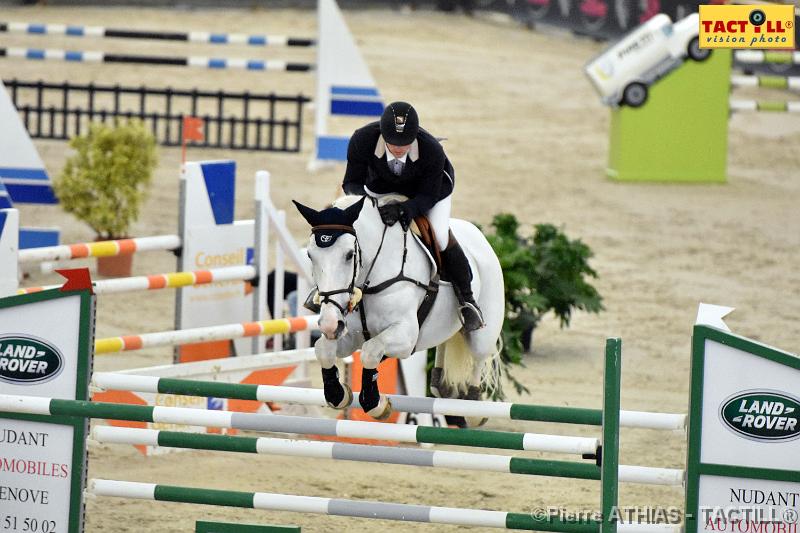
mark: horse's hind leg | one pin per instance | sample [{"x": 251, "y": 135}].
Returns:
[
  {"x": 463, "y": 370},
  {"x": 484, "y": 349},
  {"x": 439, "y": 387},
  {"x": 483, "y": 345}
]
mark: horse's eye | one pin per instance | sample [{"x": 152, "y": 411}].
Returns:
[{"x": 349, "y": 256}]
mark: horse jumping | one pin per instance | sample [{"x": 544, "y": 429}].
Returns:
[{"x": 366, "y": 304}]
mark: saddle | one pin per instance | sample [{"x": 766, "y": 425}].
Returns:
[{"x": 422, "y": 228}]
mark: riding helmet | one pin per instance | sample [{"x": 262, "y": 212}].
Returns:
[{"x": 399, "y": 124}]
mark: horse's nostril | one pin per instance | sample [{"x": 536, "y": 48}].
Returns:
[{"x": 339, "y": 328}]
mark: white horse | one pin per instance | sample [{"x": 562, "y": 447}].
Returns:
[{"x": 353, "y": 253}]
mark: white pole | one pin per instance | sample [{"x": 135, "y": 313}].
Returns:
[
  {"x": 277, "y": 287},
  {"x": 642, "y": 419},
  {"x": 260, "y": 250},
  {"x": 291, "y": 249},
  {"x": 9, "y": 246}
]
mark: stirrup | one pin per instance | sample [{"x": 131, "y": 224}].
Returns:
[
  {"x": 471, "y": 316},
  {"x": 312, "y": 302}
]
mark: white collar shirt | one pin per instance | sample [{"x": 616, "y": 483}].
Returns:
[
  {"x": 390, "y": 157},
  {"x": 396, "y": 164}
]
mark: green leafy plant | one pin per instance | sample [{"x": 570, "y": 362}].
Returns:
[
  {"x": 543, "y": 273},
  {"x": 106, "y": 181}
]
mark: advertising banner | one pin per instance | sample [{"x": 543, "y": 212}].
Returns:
[
  {"x": 743, "y": 469},
  {"x": 45, "y": 341}
]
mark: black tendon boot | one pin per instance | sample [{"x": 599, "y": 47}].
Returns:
[
  {"x": 458, "y": 270},
  {"x": 337, "y": 395},
  {"x": 377, "y": 406}
]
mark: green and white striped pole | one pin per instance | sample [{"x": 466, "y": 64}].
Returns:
[
  {"x": 354, "y": 508},
  {"x": 409, "y": 404},
  {"x": 780, "y": 57},
  {"x": 775, "y": 106},
  {"x": 302, "y": 425},
  {"x": 791, "y": 83},
  {"x": 381, "y": 454}
]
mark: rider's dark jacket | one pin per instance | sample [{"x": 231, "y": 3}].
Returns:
[{"x": 427, "y": 176}]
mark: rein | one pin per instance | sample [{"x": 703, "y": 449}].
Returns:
[
  {"x": 431, "y": 288},
  {"x": 401, "y": 276}
]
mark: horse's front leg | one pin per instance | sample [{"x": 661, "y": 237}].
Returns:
[
  {"x": 397, "y": 340},
  {"x": 337, "y": 394}
]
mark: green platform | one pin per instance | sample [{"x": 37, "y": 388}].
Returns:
[
  {"x": 681, "y": 133},
  {"x": 224, "y": 527}
]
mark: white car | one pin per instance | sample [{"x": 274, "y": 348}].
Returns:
[{"x": 624, "y": 71}]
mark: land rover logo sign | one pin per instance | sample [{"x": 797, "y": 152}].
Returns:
[
  {"x": 28, "y": 360},
  {"x": 762, "y": 415}
]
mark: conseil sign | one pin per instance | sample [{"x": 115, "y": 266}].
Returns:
[{"x": 762, "y": 26}]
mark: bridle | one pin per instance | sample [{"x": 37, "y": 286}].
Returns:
[
  {"x": 431, "y": 288},
  {"x": 324, "y": 297}
]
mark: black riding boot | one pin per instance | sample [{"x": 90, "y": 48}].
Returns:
[{"x": 458, "y": 270}]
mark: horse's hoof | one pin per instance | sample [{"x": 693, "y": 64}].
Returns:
[
  {"x": 383, "y": 410},
  {"x": 473, "y": 393},
  {"x": 457, "y": 421},
  {"x": 439, "y": 388},
  {"x": 346, "y": 400},
  {"x": 475, "y": 421}
]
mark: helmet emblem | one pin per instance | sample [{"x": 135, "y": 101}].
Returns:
[{"x": 399, "y": 124}]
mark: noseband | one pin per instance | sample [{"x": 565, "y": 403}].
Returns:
[{"x": 324, "y": 297}]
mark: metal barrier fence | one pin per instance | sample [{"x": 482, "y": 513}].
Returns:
[{"x": 232, "y": 120}]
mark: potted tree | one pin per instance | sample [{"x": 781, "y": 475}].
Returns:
[
  {"x": 106, "y": 181},
  {"x": 543, "y": 273}
]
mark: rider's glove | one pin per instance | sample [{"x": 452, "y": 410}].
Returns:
[{"x": 392, "y": 213}]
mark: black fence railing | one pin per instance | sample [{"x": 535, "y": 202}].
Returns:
[{"x": 232, "y": 120}]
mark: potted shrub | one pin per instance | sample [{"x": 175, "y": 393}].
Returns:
[
  {"x": 105, "y": 182},
  {"x": 543, "y": 273}
]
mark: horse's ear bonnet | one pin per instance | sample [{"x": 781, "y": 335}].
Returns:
[
  {"x": 352, "y": 212},
  {"x": 311, "y": 216},
  {"x": 331, "y": 223}
]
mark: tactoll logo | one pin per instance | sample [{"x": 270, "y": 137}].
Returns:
[
  {"x": 26, "y": 360},
  {"x": 747, "y": 26},
  {"x": 763, "y": 415}
]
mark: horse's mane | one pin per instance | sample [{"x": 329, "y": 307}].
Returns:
[{"x": 343, "y": 202}]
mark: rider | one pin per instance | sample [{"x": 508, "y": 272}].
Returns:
[{"x": 396, "y": 156}]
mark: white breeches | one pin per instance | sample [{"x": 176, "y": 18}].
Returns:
[{"x": 439, "y": 217}]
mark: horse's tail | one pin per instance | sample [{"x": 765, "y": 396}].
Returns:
[{"x": 459, "y": 366}]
